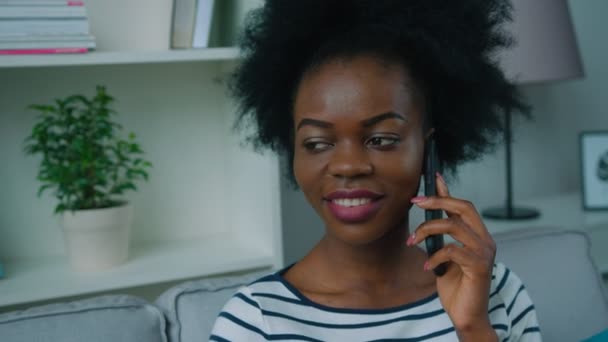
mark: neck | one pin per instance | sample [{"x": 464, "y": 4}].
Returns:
[{"x": 378, "y": 264}]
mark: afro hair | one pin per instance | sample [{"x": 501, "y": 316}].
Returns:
[{"x": 449, "y": 47}]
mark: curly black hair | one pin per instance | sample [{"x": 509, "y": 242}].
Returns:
[{"x": 449, "y": 47}]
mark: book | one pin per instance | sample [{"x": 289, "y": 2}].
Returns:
[
  {"x": 42, "y": 26},
  {"x": 182, "y": 27},
  {"x": 58, "y": 44},
  {"x": 202, "y": 23},
  {"x": 46, "y": 37},
  {"x": 31, "y": 12},
  {"x": 43, "y": 51},
  {"x": 41, "y": 3}
]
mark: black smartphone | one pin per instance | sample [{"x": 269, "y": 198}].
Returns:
[{"x": 434, "y": 242}]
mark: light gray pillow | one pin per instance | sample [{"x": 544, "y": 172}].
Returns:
[
  {"x": 114, "y": 318},
  {"x": 192, "y": 307}
]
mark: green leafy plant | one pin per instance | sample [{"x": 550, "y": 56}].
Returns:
[{"x": 83, "y": 160}]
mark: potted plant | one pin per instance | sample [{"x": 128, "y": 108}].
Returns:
[{"x": 88, "y": 168}]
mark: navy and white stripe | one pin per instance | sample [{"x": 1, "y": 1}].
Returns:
[{"x": 270, "y": 309}]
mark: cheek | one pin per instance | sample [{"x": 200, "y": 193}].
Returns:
[
  {"x": 308, "y": 177},
  {"x": 305, "y": 169},
  {"x": 298, "y": 171},
  {"x": 404, "y": 166}
]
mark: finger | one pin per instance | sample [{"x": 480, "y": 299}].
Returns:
[
  {"x": 473, "y": 219},
  {"x": 451, "y": 226},
  {"x": 453, "y": 206},
  {"x": 462, "y": 257},
  {"x": 442, "y": 186},
  {"x": 442, "y": 189}
]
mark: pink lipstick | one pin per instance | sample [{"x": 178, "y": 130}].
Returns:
[{"x": 354, "y": 205}]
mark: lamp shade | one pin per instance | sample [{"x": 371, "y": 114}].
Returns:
[{"x": 545, "y": 48}]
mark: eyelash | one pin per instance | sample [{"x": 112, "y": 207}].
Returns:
[
  {"x": 394, "y": 141},
  {"x": 312, "y": 145}
]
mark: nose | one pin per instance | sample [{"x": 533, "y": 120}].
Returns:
[{"x": 349, "y": 160}]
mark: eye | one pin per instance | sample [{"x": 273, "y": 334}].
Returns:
[
  {"x": 382, "y": 141},
  {"x": 316, "y": 146}
]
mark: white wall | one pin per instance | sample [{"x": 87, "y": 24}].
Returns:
[{"x": 545, "y": 150}]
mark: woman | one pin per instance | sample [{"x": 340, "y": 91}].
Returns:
[{"x": 351, "y": 91}]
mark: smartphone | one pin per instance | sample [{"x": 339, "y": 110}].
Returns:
[{"x": 431, "y": 164}]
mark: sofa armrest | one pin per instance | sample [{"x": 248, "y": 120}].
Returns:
[
  {"x": 192, "y": 307},
  {"x": 561, "y": 278}
]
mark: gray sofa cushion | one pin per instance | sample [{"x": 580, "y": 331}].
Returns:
[
  {"x": 192, "y": 307},
  {"x": 555, "y": 266},
  {"x": 115, "y": 318},
  {"x": 561, "y": 278}
]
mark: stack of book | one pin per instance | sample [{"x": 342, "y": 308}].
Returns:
[
  {"x": 44, "y": 27},
  {"x": 191, "y": 23}
]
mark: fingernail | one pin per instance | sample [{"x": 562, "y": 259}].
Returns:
[
  {"x": 411, "y": 239},
  {"x": 418, "y": 199},
  {"x": 426, "y": 265}
]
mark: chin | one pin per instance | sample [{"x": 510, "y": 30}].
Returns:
[{"x": 361, "y": 234}]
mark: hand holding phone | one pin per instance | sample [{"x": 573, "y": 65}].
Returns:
[{"x": 434, "y": 242}]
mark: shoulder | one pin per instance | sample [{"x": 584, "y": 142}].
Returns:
[
  {"x": 504, "y": 281},
  {"x": 247, "y": 297},
  {"x": 511, "y": 309},
  {"x": 241, "y": 317},
  {"x": 508, "y": 288}
]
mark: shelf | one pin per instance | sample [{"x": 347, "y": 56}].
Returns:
[
  {"x": 149, "y": 264},
  {"x": 119, "y": 57}
]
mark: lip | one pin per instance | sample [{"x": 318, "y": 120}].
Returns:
[
  {"x": 356, "y": 214},
  {"x": 353, "y": 193}
]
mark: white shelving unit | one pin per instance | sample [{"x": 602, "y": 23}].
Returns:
[
  {"x": 212, "y": 205},
  {"x": 234, "y": 221}
]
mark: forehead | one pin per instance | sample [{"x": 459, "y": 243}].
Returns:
[{"x": 355, "y": 88}]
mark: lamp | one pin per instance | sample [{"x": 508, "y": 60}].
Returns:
[{"x": 545, "y": 51}]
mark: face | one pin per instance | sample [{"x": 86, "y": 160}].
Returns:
[{"x": 358, "y": 147}]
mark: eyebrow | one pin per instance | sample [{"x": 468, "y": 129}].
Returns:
[
  {"x": 365, "y": 123},
  {"x": 384, "y": 116}
]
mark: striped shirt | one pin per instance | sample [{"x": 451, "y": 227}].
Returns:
[{"x": 272, "y": 309}]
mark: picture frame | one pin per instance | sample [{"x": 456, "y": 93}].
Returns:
[{"x": 594, "y": 169}]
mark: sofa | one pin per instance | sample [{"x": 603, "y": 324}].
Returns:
[{"x": 555, "y": 265}]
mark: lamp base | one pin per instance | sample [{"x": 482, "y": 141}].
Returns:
[{"x": 501, "y": 213}]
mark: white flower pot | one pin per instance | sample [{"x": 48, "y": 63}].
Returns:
[{"x": 98, "y": 239}]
